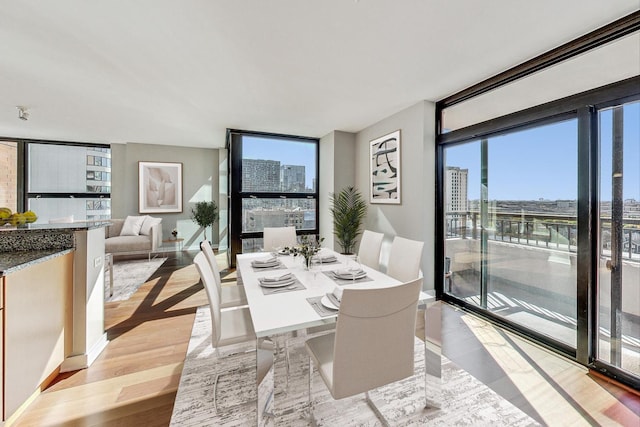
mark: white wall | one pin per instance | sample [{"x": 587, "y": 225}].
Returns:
[
  {"x": 414, "y": 217},
  {"x": 337, "y": 171}
]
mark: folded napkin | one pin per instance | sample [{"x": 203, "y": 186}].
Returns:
[
  {"x": 265, "y": 260},
  {"x": 349, "y": 274},
  {"x": 335, "y": 297},
  {"x": 275, "y": 279},
  {"x": 327, "y": 258}
]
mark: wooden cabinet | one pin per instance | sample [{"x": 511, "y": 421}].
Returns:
[{"x": 36, "y": 317}]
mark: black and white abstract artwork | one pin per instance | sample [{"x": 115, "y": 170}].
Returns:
[{"x": 385, "y": 169}]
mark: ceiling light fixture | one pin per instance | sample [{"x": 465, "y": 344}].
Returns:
[{"x": 23, "y": 113}]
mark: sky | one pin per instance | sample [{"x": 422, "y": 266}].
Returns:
[
  {"x": 538, "y": 163},
  {"x": 541, "y": 163},
  {"x": 285, "y": 151}
]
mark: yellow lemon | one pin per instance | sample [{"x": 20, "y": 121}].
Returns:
[
  {"x": 17, "y": 219},
  {"x": 30, "y": 216}
]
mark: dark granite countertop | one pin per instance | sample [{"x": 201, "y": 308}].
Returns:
[{"x": 13, "y": 261}]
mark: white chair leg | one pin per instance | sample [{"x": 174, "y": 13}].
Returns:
[
  {"x": 312, "y": 419},
  {"x": 373, "y": 406}
]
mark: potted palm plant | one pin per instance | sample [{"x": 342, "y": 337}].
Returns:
[
  {"x": 205, "y": 214},
  {"x": 348, "y": 208}
]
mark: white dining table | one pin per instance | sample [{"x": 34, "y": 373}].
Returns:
[{"x": 284, "y": 318}]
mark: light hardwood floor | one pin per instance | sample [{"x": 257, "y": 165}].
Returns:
[{"x": 134, "y": 381}]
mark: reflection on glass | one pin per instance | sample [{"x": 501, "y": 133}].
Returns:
[
  {"x": 81, "y": 209},
  {"x": 260, "y": 213},
  {"x": 619, "y": 265},
  {"x": 511, "y": 228}
]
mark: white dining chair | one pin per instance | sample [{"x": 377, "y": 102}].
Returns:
[
  {"x": 230, "y": 296},
  {"x": 404, "y": 259},
  {"x": 373, "y": 344},
  {"x": 278, "y": 237},
  {"x": 369, "y": 251},
  {"x": 231, "y": 326}
]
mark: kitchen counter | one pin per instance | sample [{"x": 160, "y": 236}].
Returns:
[
  {"x": 14, "y": 261},
  {"x": 52, "y": 288}
]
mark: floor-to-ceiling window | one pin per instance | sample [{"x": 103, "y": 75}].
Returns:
[
  {"x": 511, "y": 241},
  {"x": 274, "y": 183},
  {"x": 538, "y": 182}
]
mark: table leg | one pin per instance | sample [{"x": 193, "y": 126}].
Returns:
[
  {"x": 282, "y": 393},
  {"x": 433, "y": 354}
]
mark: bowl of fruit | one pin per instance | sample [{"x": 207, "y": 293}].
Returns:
[{"x": 7, "y": 217}]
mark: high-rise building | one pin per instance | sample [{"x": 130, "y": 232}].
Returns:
[
  {"x": 292, "y": 178},
  {"x": 456, "y": 190},
  {"x": 260, "y": 175}
]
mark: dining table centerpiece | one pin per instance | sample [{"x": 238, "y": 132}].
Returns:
[{"x": 309, "y": 246}]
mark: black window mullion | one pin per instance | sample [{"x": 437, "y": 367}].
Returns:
[{"x": 586, "y": 268}]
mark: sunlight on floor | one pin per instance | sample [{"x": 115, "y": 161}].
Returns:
[{"x": 548, "y": 381}]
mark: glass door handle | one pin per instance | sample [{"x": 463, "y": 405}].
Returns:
[{"x": 609, "y": 265}]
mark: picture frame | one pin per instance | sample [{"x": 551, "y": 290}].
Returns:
[
  {"x": 159, "y": 187},
  {"x": 385, "y": 169}
]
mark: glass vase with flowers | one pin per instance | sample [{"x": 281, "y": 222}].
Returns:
[{"x": 309, "y": 246}]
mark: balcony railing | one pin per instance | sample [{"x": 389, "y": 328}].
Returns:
[{"x": 541, "y": 230}]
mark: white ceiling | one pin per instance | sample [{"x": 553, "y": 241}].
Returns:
[{"x": 182, "y": 72}]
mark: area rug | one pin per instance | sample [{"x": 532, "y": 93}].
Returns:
[
  {"x": 128, "y": 276},
  {"x": 466, "y": 401}
]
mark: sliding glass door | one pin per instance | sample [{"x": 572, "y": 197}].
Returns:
[
  {"x": 618, "y": 337},
  {"x": 511, "y": 226}
]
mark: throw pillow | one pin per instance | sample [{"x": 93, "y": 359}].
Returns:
[
  {"x": 149, "y": 222},
  {"x": 132, "y": 225}
]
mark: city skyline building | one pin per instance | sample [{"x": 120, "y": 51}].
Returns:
[
  {"x": 292, "y": 178},
  {"x": 456, "y": 196}
]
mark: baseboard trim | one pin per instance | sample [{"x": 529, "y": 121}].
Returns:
[{"x": 82, "y": 361}]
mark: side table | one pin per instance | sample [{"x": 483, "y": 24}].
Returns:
[{"x": 177, "y": 243}]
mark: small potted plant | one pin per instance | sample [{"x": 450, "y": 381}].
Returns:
[
  {"x": 205, "y": 214},
  {"x": 348, "y": 208}
]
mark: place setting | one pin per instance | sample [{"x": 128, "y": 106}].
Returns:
[
  {"x": 280, "y": 284},
  {"x": 266, "y": 263},
  {"x": 327, "y": 304},
  {"x": 327, "y": 258},
  {"x": 348, "y": 276}
]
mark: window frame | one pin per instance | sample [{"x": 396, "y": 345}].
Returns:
[
  {"x": 237, "y": 195},
  {"x": 23, "y": 193}
]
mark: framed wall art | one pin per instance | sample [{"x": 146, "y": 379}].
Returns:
[
  {"x": 159, "y": 187},
  {"x": 385, "y": 169}
]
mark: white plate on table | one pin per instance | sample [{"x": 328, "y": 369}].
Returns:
[
  {"x": 268, "y": 265},
  {"x": 278, "y": 284},
  {"x": 327, "y": 303},
  {"x": 350, "y": 276}
]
